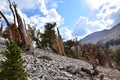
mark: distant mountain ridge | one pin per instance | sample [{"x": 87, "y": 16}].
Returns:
[
  {"x": 94, "y": 37},
  {"x": 104, "y": 35}
]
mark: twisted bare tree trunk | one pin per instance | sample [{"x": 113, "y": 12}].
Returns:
[
  {"x": 21, "y": 27},
  {"x": 18, "y": 34}
]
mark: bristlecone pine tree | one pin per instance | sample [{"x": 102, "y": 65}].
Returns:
[
  {"x": 48, "y": 35},
  {"x": 13, "y": 68}
]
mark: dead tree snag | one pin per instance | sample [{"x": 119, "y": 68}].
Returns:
[
  {"x": 17, "y": 33},
  {"x": 58, "y": 45}
]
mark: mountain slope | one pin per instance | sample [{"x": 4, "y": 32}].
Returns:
[
  {"x": 104, "y": 36},
  {"x": 46, "y": 65},
  {"x": 94, "y": 37},
  {"x": 112, "y": 34}
]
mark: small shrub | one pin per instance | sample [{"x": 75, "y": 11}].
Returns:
[{"x": 13, "y": 68}]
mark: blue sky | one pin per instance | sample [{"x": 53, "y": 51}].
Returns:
[{"x": 74, "y": 18}]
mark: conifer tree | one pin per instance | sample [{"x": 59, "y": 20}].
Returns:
[
  {"x": 48, "y": 35},
  {"x": 13, "y": 68}
]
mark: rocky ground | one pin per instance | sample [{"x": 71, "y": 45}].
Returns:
[{"x": 46, "y": 65}]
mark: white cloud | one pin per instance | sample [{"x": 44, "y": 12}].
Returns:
[
  {"x": 40, "y": 21},
  {"x": 3, "y": 5},
  {"x": 54, "y": 16},
  {"x": 9, "y": 17},
  {"x": 24, "y": 16},
  {"x": 84, "y": 26},
  {"x": 110, "y": 13},
  {"x": 66, "y": 33},
  {"x": 26, "y": 4},
  {"x": 43, "y": 7},
  {"x": 96, "y": 4},
  {"x": 54, "y": 5},
  {"x": 50, "y": 15}
]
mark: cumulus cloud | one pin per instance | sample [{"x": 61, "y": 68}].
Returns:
[
  {"x": 3, "y": 5},
  {"x": 49, "y": 15},
  {"x": 80, "y": 27},
  {"x": 43, "y": 7},
  {"x": 110, "y": 13},
  {"x": 66, "y": 33},
  {"x": 84, "y": 27},
  {"x": 96, "y": 4},
  {"x": 26, "y": 4}
]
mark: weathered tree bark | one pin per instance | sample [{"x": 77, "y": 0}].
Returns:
[
  {"x": 15, "y": 33},
  {"x": 55, "y": 45},
  {"x": 28, "y": 39},
  {"x": 58, "y": 45},
  {"x": 21, "y": 27}
]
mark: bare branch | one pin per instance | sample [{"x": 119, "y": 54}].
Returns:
[
  {"x": 10, "y": 6},
  {"x": 19, "y": 21},
  {"x": 4, "y": 18}
]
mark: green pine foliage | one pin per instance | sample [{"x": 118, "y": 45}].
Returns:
[
  {"x": 13, "y": 68},
  {"x": 48, "y": 35}
]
